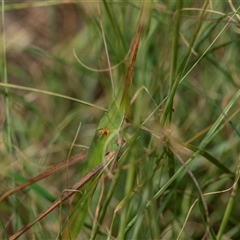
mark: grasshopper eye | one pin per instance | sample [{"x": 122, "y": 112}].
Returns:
[{"x": 103, "y": 132}]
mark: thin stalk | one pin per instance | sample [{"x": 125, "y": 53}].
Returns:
[
  {"x": 175, "y": 49},
  {"x": 128, "y": 195},
  {"x": 6, "y": 97},
  {"x": 5, "y": 80},
  {"x": 9, "y": 85},
  {"x": 229, "y": 207}
]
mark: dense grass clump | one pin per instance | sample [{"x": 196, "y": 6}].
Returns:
[{"x": 175, "y": 64}]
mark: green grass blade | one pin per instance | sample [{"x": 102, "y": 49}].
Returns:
[{"x": 229, "y": 207}]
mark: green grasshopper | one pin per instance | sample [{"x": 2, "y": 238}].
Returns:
[
  {"x": 107, "y": 131},
  {"x": 104, "y": 139}
]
